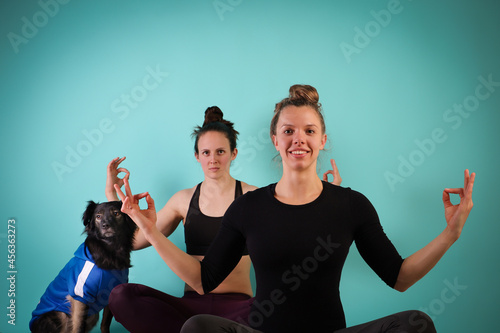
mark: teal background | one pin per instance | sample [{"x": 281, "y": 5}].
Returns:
[{"x": 68, "y": 77}]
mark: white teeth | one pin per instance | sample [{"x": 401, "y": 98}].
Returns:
[{"x": 298, "y": 152}]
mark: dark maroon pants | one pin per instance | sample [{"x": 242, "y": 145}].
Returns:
[{"x": 143, "y": 309}]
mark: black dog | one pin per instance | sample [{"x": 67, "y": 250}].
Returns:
[{"x": 73, "y": 300}]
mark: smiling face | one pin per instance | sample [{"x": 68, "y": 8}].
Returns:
[
  {"x": 214, "y": 154},
  {"x": 299, "y": 137}
]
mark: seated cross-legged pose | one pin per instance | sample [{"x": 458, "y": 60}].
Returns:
[
  {"x": 143, "y": 309},
  {"x": 298, "y": 232}
]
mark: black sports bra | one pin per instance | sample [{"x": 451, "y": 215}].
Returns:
[{"x": 200, "y": 229}]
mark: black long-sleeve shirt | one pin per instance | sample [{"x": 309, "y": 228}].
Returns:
[{"x": 298, "y": 252}]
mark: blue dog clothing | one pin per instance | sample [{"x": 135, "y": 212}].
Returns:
[{"x": 82, "y": 280}]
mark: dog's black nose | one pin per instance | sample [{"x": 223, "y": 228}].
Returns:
[{"x": 105, "y": 225}]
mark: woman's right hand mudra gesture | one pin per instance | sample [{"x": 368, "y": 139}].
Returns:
[{"x": 144, "y": 218}]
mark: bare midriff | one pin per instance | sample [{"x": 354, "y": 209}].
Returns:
[{"x": 236, "y": 282}]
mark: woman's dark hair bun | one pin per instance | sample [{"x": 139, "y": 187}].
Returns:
[{"x": 213, "y": 114}]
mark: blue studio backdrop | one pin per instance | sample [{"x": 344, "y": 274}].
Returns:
[{"x": 411, "y": 97}]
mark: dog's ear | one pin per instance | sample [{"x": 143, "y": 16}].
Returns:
[{"x": 89, "y": 213}]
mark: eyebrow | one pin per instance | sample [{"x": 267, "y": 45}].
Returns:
[
  {"x": 291, "y": 125},
  {"x": 208, "y": 149}
]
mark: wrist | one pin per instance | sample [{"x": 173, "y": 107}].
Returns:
[
  {"x": 111, "y": 195},
  {"x": 152, "y": 234},
  {"x": 451, "y": 234}
]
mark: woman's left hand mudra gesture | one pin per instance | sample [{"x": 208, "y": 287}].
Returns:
[
  {"x": 337, "y": 180},
  {"x": 456, "y": 215},
  {"x": 421, "y": 262},
  {"x": 144, "y": 218}
]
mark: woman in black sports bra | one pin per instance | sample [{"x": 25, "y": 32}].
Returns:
[{"x": 143, "y": 309}]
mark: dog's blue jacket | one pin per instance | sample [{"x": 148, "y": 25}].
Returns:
[{"x": 82, "y": 280}]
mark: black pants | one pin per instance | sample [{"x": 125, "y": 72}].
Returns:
[{"x": 402, "y": 322}]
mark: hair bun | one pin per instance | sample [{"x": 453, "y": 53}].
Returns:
[
  {"x": 304, "y": 92},
  {"x": 213, "y": 114}
]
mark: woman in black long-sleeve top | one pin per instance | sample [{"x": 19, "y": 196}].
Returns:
[{"x": 298, "y": 233}]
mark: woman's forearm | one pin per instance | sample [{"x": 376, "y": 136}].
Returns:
[
  {"x": 111, "y": 195},
  {"x": 421, "y": 262},
  {"x": 182, "y": 264},
  {"x": 140, "y": 242}
]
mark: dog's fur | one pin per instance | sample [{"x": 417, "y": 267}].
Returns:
[{"x": 110, "y": 235}]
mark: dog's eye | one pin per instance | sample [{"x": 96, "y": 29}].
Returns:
[
  {"x": 98, "y": 216},
  {"x": 116, "y": 213}
]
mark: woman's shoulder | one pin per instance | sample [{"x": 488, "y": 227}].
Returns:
[
  {"x": 248, "y": 204},
  {"x": 247, "y": 187},
  {"x": 252, "y": 194},
  {"x": 347, "y": 192},
  {"x": 186, "y": 193},
  {"x": 332, "y": 188},
  {"x": 181, "y": 198}
]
